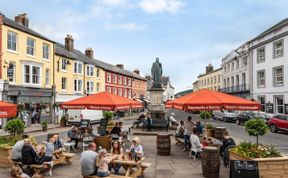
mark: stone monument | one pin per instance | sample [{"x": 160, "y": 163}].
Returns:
[{"x": 157, "y": 108}]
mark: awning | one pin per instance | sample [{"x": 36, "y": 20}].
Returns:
[{"x": 7, "y": 110}]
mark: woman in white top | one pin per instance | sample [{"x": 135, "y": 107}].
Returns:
[
  {"x": 136, "y": 150},
  {"x": 195, "y": 144}
]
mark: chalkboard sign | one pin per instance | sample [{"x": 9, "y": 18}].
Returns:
[
  {"x": 102, "y": 127},
  {"x": 85, "y": 123},
  {"x": 10, "y": 72},
  {"x": 269, "y": 108},
  {"x": 286, "y": 108},
  {"x": 247, "y": 169}
]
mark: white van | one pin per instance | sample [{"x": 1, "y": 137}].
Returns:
[
  {"x": 225, "y": 115},
  {"x": 93, "y": 115}
]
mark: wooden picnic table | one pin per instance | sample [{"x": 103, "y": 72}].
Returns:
[
  {"x": 62, "y": 157},
  {"x": 133, "y": 168}
]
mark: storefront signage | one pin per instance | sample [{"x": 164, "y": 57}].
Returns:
[
  {"x": 247, "y": 169},
  {"x": 269, "y": 108},
  {"x": 36, "y": 100},
  {"x": 10, "y": 72}
]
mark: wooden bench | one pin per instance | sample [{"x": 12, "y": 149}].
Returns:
[
  {"x": 110, "y": 176},
  {"x": 63, "y": 158},
  {"x": 144, "y": 166},
  {"x": 37, "y": 168},
  {"x": 179, "y": 141}
]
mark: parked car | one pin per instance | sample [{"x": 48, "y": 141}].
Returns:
[
  {"x": 279, "y": 123},
  {"x": 243, "y": 117},
  {"x": 225, "y": 115}
]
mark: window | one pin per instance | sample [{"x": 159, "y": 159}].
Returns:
[
  {"x": 114, "y": 78},
  {"x": 120, "y": 91},
  {"x": 90, "y": 87},
  {"x": 26, "y": 74},
  {"x": 261, "y": 79},
  {"x": 98, "y": 72},
  {"x": 279, "y": 104},
  {"x": 64, "y": 83},
  {"x": 12, "y": 41},
  {"x": 232, "y": 67},
  {"x": 119, "y": 80},
  {"x": 278, "y": 75},
  {"x": 90, "y": 70},
  {"x": 278, "y": 49},
  {"x": 125, "y": 93},
  {"x": 98, "y": 87},
  {"x": 237, "y": 64},
  {"x": 64, "y": 64},
  {"x": 35, "y": 75},
  {"x": 129, "y": 93},
  {"x": 78, "y": 68},
  {"x": 215, "y": 79},
  {"x": 228, "y": 68},
  {"x": 225, "y": 70},
  {"x": 124, "y": 80},
  {"x": 77, "y": 85},
  {"x": 108, "y": 77},
  {"x": 30, "y": 46},
  {"x": 261, "y": 55},
  {"x": 11, "y": 72},
  {"x": 47, "y": 77},
  {"x": 109, "y": 89},
  {"x": 115, "y": 91},
  {"x": 46, "y": 48},
  {"x": 262, "y": 101},
  {"x": 244, "y": 61},
  {"x": 129, "y": 81},
  {"x": 219, "y": 78}
]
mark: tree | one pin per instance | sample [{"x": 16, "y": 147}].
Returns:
[
  {"x": 15, "y": 127},
  {"x": 256, "y": 127}
]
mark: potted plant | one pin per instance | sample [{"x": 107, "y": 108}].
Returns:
[
  {"x": 110, "y": 124},
  {"x": 63, "y": 121},
  {"x": 15, "y": 128},
  {"x": 270, "y": 161},
  {"x": 44, "y": 126},
  {"x": 205, "y": 115}
]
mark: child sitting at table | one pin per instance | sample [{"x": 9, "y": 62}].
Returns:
[
  {"x": 57, "y": 143},
  {"x": 204, "y": 142},
  {"x": 102, "y": 163},
  {"x": 116, "y": 150},
  {"x": 136, "y": 150}
]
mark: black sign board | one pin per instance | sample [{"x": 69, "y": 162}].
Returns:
[
  {"x": 286, "y": 108},
  {"x": 247, "y": 169},
  {"x": 10, "y": 72},
  {"x": 269, "y": 108},
  {"x": 102, "y": 127},
  {"x": 85, "y": 123}
]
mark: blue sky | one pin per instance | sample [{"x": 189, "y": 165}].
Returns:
[{"x": 185, "y": 34}]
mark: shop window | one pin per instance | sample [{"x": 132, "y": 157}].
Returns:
[{"x": 11, "y": 72}]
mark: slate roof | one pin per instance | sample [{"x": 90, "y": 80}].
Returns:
[
  {"x": 79, "y": 56},
  {"x": 165, "y": 81},
  {"x": 13, "y": 24}
]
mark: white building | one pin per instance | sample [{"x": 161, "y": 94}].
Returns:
[
  {"x": 269, "y": 59},
  {"x": 236, "y": 71},
  {"x": 168, "y": 93}
]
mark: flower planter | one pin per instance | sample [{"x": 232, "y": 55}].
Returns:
[
  {"x": 5, "y": 157},
  {"x": 268, "y": 167}
]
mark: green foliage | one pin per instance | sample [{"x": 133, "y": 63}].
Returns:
[
  {"x": 256, "y": 127},
  {"x": 6, "y": 141},
  {"x": 251, "y": 150},
  {"x": 45, "y": 123},
  {"x": 209, "y": 126},
  {"x": 108, "y": 115},
  {"x": 15, "y": 127},
  {"x": 63, "y": 120},
  {"x": 205, "y": 115}
]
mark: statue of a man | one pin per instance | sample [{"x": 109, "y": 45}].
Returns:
[{"x": 156, "y": 72}]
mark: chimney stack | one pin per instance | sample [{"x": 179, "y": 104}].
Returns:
[
  {"x": 120, "y": 66},
  {"x": 209, "y": 68},
  {"x": 136, "y": 71},
  {"x": 69, "y": 43},
  {"x": 22, "y": 19},
  {"x": 89, "y": 52}
]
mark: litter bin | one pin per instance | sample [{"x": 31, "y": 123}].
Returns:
[
  {"x": 163, "y": 144},
  {"x": 210, "y": 162}
]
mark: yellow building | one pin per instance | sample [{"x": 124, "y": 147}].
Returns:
[
  {"x": 212, "y": 79},
  {"x": 27, "y": 65},
  {"x": 76, "y": 74}
]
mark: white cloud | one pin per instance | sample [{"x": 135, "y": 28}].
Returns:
[
  {"x": 160, "y": 6},
  {"x": 125, "y": 26},
  {"x": 114, "y": 2}
]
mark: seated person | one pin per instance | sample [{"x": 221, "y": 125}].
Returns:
[
  {"x": 73, "y": 135},
  {"x": 116, "y": 130},
  {"x": 195, "y": 143},
  {"x": 136, "y": 150},
  {"x": 199, "y": 127},
  {"x": 180, "y": 130},
  {"x": 148, "y": 123},
  {"x": 102, "y": 163},
  {"x": 88, "y": 159},
  {"x": 205, "y": 142},
  {"x": 49, "y": 154},
  {"x": 16, "y": 172},
  {"x": 226, "y": 143},
  {"x": 57, "y": 143},
  {"x": 116, "y": 150},
  {"x": 17, "y": 149},
  {"x": 29, "y": 155},
  {"x": 139, "y": 120}
]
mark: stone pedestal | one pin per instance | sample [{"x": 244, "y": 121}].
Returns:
[{"x": 157, "y": 108}]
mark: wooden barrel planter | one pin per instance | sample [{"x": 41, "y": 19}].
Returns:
[
  {"x": 210, "y": 162},
  {"x": 268, "y": 167},
  {"x": 163, "y": 145},
  {"x": 103, "y": 141},
  {"x": 5, "y": 157},
  {"x": 219, "y": 132}
]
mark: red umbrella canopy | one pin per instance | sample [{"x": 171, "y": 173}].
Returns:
[
  {"x": 211, "y": 100},
  {"x": 102, "y": 101},
  {"x": 7, "y": 110}
]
